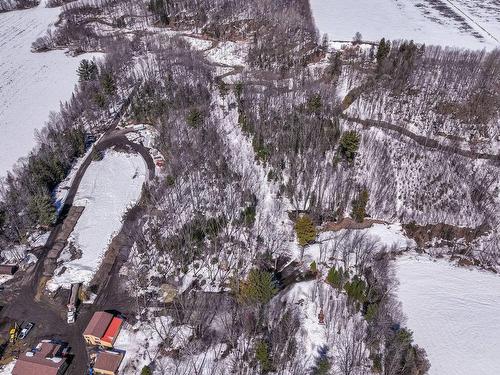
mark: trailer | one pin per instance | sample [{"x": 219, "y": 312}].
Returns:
[
  {"x": 139, "y": 127},
  {"x": 72, "y": 302}
]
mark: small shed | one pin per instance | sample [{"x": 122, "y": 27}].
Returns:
[{"x": 8, "y": 269}]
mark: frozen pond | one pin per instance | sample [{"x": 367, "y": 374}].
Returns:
[
  {"x": 454, "y": 314},
  {"x": 458, "y": 23}
]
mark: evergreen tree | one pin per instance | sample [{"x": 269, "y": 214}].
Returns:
[
  {"x": 336, "y": 277},
  {"x": 314, "y": 103},
  {"x": 356, "y": 289},
  {"x": 87, "y": 71},
  {"x": 194, "y": 118},
  {"x": 359, "y": 206},
  {"x": 349, "y": 144},
  {"x": 259, "y": 287},
  {"x": 146, "y": 371},
  {"x": 305, "y": 229},
  {"x": 100, "y": 99},
  {"x": 41, "y": 209},
  {"x": 263, "y": 357},
  {"x": 324, "y": 43},
  {"x": 108, "y": 83},
  {"x": 384, "y": 47},
  {"x": 161, "y": 9},
  {"x": 323, "y": 367},
  {"x": 334, "y": 68},
  {"x": 314, "y": 267},
  {"x": 2, "y": 219}
]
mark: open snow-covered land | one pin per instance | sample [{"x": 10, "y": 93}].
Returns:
[
  {"x": 31, "y": 85},
  {"x": 454, "y": 313},
  {"x": 455, "y": 23},
  {"x": 107, "y": 190}
]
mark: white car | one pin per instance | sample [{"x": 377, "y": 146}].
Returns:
[
  {"x": 71, "y": 317},
  {"x": 25, "y": 329}
]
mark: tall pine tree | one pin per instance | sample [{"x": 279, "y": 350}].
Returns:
[{"x": 87, "y": 71}]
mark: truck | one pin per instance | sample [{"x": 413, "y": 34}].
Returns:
[{"x": 72, "y": 302}]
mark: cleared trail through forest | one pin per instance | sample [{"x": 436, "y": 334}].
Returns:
[{"x": 421, "y": 140}]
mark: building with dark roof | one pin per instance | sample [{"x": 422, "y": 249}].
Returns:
[
  {"x": 8, "y": 269},
  {"x": 47, "y": 358},
  {"x": 108, "y": 362}
]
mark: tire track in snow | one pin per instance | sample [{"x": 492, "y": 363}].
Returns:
[{"x": 466, "y": 15}]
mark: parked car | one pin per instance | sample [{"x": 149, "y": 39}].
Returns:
[
  {"x": 25, "y": 330},
  {"x": 71, "y": 317}
]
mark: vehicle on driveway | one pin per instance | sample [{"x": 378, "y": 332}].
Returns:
[
  {"x": 13, "y": 331},
  {"x": 72, "y": 303},
  {"x": 71, "y": 317},
  {"x": 25, "y": 329}
]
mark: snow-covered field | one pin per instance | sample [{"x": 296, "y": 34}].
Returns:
[
  {"x": 454, "y": 313},
  {"x": 457, "y": 23},
  {"x": 108, "y": 188},
  {"x": 31, "y": 85}
]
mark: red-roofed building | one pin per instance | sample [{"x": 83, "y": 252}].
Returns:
[
  {"x": 109, "y": 337},
  {"x": 46, "y": 359},
  {"x": 102, "y": 329}
]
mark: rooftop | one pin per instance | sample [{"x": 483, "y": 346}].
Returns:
[
  {"x": 98, "y": 324},
  {"x": 108, "y": 361},
  {"x": 112, "y": 331},
  {"x": 45, "y": 359}
]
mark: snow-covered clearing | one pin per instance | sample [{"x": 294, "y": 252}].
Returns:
[
  {"x": 31, "y": 85},
  {"x": 229, "y": 53},
  {"x": 454, "y": 313},
  {"x": 388, "y": 235},
  {"x": 456, "y": 23},
  {"x": 107, "y": 190}
]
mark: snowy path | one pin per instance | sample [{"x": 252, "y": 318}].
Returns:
[
  {"x": 454, "y": 313},
  {"x": 31, "y": 85},
  {"x": 449, "y": 23}
]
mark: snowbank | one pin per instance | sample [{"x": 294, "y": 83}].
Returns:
[
  {"x": 7, "y": 369},
  {"x": 108, "y": 188},
  {"x": 454, "y": 313}
]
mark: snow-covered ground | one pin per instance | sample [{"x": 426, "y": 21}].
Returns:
[
  {"x": 457, "y": 23},
  {"x": 454, "y": 313},
  {"x": 330, "y": 243},
  {"x": 31, "y": 85},
  {"x": 107, "y": 190},
  {"x": 7, "y": 369}
]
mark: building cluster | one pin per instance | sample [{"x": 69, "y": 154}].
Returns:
[
  {"x": 50, "y": 357},
  {"x": 47, "y": 358}
]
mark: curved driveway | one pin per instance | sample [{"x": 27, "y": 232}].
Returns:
[{"x": 48, "y": 316}]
